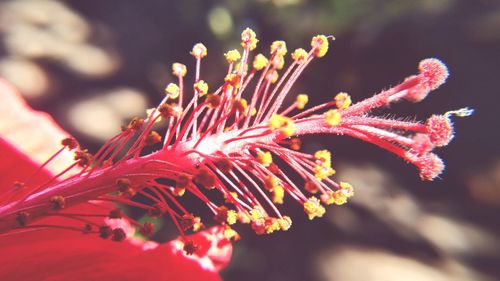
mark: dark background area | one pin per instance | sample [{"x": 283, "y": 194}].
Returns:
[{"x": 397, "y": 227}]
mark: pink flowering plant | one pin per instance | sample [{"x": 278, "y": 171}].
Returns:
[{"x": 220, "y": 146}]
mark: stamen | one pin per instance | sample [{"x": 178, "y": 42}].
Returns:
[{"x": 225, "y": 145}]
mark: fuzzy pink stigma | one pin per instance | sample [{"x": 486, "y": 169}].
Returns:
[
  {"x": 440, "y": 129},
  {"x": 434, "y": 72},
  {"x": 430, "y": 166},
  {"x": 422, "y": 144}
]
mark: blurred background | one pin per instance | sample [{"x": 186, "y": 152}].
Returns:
[{"x": 95, "y": 64}]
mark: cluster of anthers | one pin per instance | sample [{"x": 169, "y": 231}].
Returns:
[{"x": 221, "y": 145}]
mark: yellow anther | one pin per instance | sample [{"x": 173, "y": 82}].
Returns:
[
  {"x": 275, "y": 122},
  {"x": 339, "y": 198},
  {"x": 346, "y": 189},
  {"x": 199, "y": 51},
  {"x": 270, "y": 182},
  {"x": 230, "y": 197},
  {"x": 311, "y": 186},
  {"x": 172, "y": 90},
  {"x": 233, "y": 79},
  {"x": 278, "y": 47},
  {"x": 154, "y": 115},
  {"x": 212, "y": 100},
  {"x": 241, "y": 106},
  {"x": 244, "y": 70},
  {"x": 301, "y": 101},
  {"x": 198, "y": 225},
  {"x": 333, "y": 117},
  {"x": 201, "y": 88},
  {"x": 328, "y": 198},
  {"x": 282, "y": 123},
  {"x": 189, "y": 221},
  {"x": 259, "y": 62},
  {"x": 257, "y": 213},
  {"x": 179, "y": 69},
  {"x": 320, "y": 45},
  {"x": 299, "y": 55},
  {"x": 342, "y": 100},
  {"x": 321, "y": 172},
  {"x": 278, "y": 194},
  {"x": 224, "y": 215},
  {"x": 278, "y": 62},
  {"x": 253, "y": 111},
  {"x": 271, "y": 225},
  {"x": 324, "y": 157},
  {"x": 265, "y": 158},
  {"x": 179, "y": 191},
  {"x": 285, "y": 223},
  {"x": 231, "y": 217},
  {"x": 232, "y": 56},
  {"x": 244, "y": 217},
  {"x": 313, "y": 208},
  {"x": 288, "y": 129},
  {"x": 249, "y": 39},
  {"x": 272, "y": 76},
  {"x": 231, "y": 234}
]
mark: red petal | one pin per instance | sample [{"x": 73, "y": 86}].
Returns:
[
  {"x": 83, "y": 257},
  {"x": 14, "y": 166},
  {"x": 52, "y": 254},
  {"x": 215, "y": 250},
  {"x": 31, "y": 132}
]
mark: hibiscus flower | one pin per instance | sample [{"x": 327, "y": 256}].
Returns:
[{"x": 232, "y": 148}]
